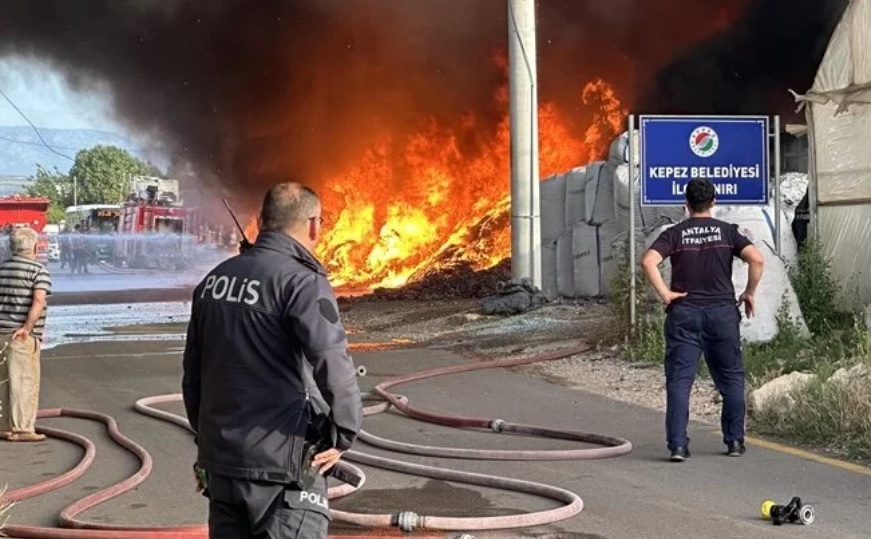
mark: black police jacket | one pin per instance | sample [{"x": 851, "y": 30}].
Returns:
[{"x": 256, "y": 320}]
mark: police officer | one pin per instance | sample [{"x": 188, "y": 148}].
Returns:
[
  {"x": 262, "y": 324},
  {"x": 702, "y": 314}
]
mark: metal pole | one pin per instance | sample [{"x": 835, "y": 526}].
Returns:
[
  {"x": 525, "y": 215},
  {"x": 632, "y": 268},
  {"x": 75, "y": 191},
  {"x": 778, "y": 221},
  {"x": 812, "y": 185},
  {"x": 535, "y": 184}
]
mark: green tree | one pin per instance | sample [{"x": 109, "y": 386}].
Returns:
[
  {"x": 55, "y": 186},
  {"x": 102, "y": 173}
]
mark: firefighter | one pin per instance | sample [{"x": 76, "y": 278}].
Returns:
[
  {"x": 703, "y": 315},
  {"x": 66, "y": 248},
  {"x": 265, "y": 342},
  {"x": 80, "y": 249}
]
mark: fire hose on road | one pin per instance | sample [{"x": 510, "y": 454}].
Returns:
[{"x": 72, "y": 527}]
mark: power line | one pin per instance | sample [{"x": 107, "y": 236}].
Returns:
[
  {"x": 56, "y": 112},
  {"x": 146, "y": 149},
  {"x": 38, "y": 134}
]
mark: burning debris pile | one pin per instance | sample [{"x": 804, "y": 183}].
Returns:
[
  {"x": 409, "y": 209},
  {"x": 396, "y": 112}
]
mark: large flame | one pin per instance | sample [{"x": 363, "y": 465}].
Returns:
[{"x": 403, "y": 209}]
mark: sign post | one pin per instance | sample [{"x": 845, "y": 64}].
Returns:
[
  {"x": 632, "y": 266},
  {"x": 730, "y": 151},
  {"x": 778, "y": 241}
]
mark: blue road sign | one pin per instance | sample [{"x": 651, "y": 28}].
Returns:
[{"x": 731, "y": 151}]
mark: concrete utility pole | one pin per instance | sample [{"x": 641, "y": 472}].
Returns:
[{"x": 523, "y": 70}]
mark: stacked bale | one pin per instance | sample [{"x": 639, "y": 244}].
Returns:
[{"x": 585, "y": 231}]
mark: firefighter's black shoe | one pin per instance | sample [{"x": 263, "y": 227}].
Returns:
[
  {"x": 680, "y": 454},
  {"x": 735, "y": 449}
]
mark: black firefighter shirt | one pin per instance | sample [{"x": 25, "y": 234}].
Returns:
[{"x": 701, "y": 251}]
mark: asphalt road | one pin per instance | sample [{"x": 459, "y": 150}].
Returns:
[{"x": 639, "y": 495}]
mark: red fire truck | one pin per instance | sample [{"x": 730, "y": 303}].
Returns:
[
  {"x": 17, "y": 211},
  {"x": 155, "y": 229}
]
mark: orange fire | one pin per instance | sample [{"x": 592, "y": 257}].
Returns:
[{"x": 402, "y": 210}]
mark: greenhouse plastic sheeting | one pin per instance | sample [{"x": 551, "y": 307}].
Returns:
[
  {"x": 842, "y": 153},
  {"x": 840, "y": 110},
  {"x": 846, "y": 231},
  {"x": 839, "y": 120}
]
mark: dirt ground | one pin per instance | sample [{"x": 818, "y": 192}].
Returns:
[{"x": 458, "y": 325}]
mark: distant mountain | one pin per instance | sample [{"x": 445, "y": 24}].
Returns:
[
  {"x": 12, "y": 185},
  {"x": 21, "y": 150}
]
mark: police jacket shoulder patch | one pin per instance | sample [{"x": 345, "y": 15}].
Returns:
[{"x": 328, "y": 311}]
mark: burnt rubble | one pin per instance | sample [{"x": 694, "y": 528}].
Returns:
[
  {"x": 455, "y": 282},
  {"x": 498, "y": 292},
  {"x": 514, "y": 297}
]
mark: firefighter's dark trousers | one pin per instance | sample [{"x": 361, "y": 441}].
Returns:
[
  {"x": 712, "y": 330},
  {"x": 240, "y": 509}
]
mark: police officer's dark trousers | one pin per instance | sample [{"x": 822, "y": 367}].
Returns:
[
  {"x": 242, "y": 509},
  {"x": 712, "y": 330}
]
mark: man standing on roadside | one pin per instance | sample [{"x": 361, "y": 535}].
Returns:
[
  {"x": 702, "y": 315},
  {"x": 263, "y": 324},
  {"x": 24, "y": 287}
]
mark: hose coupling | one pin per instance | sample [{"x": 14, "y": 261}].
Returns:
[
  {"x": 406, "y": 520},
  {"x": 497, "y": 425}
]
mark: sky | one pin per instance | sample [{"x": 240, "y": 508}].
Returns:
[{"x": 43, "y": 95}]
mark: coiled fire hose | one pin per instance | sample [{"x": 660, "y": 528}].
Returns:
[{"x": 73, "y": 527}]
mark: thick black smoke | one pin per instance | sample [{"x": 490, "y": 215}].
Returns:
[
  {"x": 253, "y": 92},
  {"x": 775, "y": 46}
]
